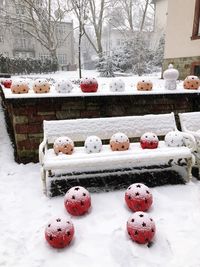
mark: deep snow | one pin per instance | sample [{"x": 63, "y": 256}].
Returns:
[{"x": 100, "y": 236}]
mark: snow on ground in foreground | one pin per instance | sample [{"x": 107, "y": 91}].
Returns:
[{"x": 100, "y": 237}]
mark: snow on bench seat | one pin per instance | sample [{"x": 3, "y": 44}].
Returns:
[
  {"x": 80, "y": 161},
  {"x": 133, "y": 126}
]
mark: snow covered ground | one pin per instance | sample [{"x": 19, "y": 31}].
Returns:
[{"x": 100, "y": 236}]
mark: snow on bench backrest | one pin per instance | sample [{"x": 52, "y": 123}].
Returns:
[
  {"x": 190, "y": 121},
  {"x": 132, "y": 126}
]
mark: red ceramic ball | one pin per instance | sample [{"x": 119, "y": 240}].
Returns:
[
  {"x": 89, "y": 85},
  {"x": 149, "y": 141},
  {"x": 59, "y": 232},
  {"x": 141, "y": 227},
  {"x": 7, "y": 83},
  {"x": 77, "y": 200},
  {"x": 138, "y": 197}
]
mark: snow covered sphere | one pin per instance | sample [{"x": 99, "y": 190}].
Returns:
[
  {"x": 119, "y": 142},
  {"x": 191, "y": 83},
  {"x": 117, "y": 85},
  {"x": 41, "y": 86},
  {"x": 138, "y": 197},
  {"x": 77, "y": 200},
  {"x": 141, "y": 227},
  {"x": 6, "y": 83},
  {"x": 59, "y": 232},
  {"x": 19, "y": 87},
  {"x": 93, "y": 144},
  {"x": 144, "y": 85},
  {"x": 63, "y": 145},
  {"x": 89, "y": 85},
  {"x": 64, "y": 86},
  {"x": 149, "y": 140},
  {"x": 174, "y": 139}
]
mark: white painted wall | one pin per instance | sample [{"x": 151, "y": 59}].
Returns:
[{"x": 179, "y": 30}]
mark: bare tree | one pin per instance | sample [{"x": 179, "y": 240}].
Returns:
[
  {"x": 40, "y": 19},
  {"x": 80, "y": 8}
]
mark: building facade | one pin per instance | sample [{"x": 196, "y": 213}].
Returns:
[
  {"x": 182, "y": 43},
  {"x": 16, "y": 42}
]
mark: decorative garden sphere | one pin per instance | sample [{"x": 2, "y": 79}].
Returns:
[
  {"x": 117, "y": 85},
  {"x": 141, "y": 227},
  {"x": 19, "y": 87},
  {"x": 149, "y": 140},
  {"x": 77, "y": 200},
  {"x": 89, "y": 85},
  {"x": 41, "y": 86},
  {"x": 119, "y": 142},
  {"x": 174, "y": 139},
  {"x": 144, "y": 85},
  {"x": 6, "y": 83},
  {"x": 170, "y": 75},
  {"x": 63, "y": 145},
  {"x": 191, "y": 83},
  {"x": 59, "y": 232},
  {"x": 63, "y": 86},
  {"x": 138, "y": 197},
  {"x": 93, "y": 144}
]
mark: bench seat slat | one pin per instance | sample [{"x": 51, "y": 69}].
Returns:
[{"x": 108, "y": 159}]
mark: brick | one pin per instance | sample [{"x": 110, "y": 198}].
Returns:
[
  {"x": 26, "y": 128},
  {"x": 24, "y": 111},
  {"x": 66, "y": 114},
  {"x": 20, "y": 119},
  {"x": 90, "y": 114},
  {"x": 20, "y": 137},
  {"x": 40, "y": 119},
  {"x": 77, "y": 105},
  {"x": 28, "y": 145},
  {"x": 46, "y": 113}
]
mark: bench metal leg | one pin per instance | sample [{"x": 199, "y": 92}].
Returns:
[
  {"x": 44, "y": 184},
  {"x": 189, "y": 168}
]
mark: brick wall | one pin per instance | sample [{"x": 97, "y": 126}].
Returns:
[{"x": 25, "y": 116}]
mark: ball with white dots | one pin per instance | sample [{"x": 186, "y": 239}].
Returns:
[
  {"x": 117, "y": 85},
  {"x": 63, "y": 86},
  {"x": 77, "y": 200},
  {"x": 59, "y": 232},
  {"x": 174, "y": 139},
  {"x": 119, "y": 142},
  {"x": 141, "y": 227},
  {"x": 93, "y": 144},
  {"x": 63, "y": 145},
  {"x": 138, "y": 197}
]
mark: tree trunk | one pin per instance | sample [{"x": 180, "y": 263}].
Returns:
[{"x": 79, "y": 52}]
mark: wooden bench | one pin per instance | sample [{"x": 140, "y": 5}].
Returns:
[
  {"x": 133, "y": 126},
  {"x": 190, "y": 123}
]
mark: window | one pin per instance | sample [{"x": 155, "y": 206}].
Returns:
[{"x": 196, "y": 23}]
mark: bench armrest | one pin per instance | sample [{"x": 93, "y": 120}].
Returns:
[
  {"x": 41, "y": 151},
  {"x": 197, "y": 138},
  {"x": 189, "y": 141}
]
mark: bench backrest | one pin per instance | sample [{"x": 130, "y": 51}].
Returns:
[
  {"x": 190, "y": 121},
  {"x": 132, "y": 126}
]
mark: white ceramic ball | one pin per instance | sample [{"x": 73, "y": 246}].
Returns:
[
  {"x": 63, "y": 86},
  {"x": 93, "y": 144},
  {"x": 174, "y": 139},
  {"x": 117, "y": 85}
]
